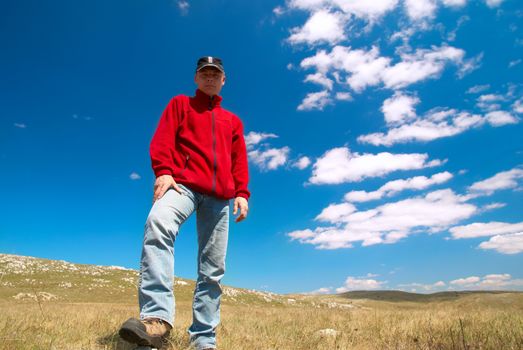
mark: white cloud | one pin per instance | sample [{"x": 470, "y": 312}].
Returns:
[
  {"x": 393, "y": 187},
  {"x": 492, "y": 206},
  {"x": 278, "y": 10},
  {"x": 433, "y": 125},
  {"x": 339, "y": 22},
  {"x": 269, "y": 159},
  {"x": 518, "y": 106},
  {"x": 370, "y": 10},
  {"x": 478, "y": 88},
  {"x": 253, "y": 138},
  {"x": 340, "y": 165},
  {"x": 493, "y": 3},
  {"x": 20, "y": 125},
  {"x": 344, "y": 96},
  {"x": 514, "y": 63},
  {"x": 135, "y": 176},
  {"x": 420, "y": 9},
  {"x": 322, "y": 26},
  {"x": 302, "y": 163},
  {"x": 488, "y": 282},
  {"x": 490, "y": 98},
  {"x": 315, "y": 100},
  {"x": 335, "y": 212},
  {"x": 323, "y": 290},
  {"x": 484, "y": 229},
  {"x": 466, "y": 281},
  {"x": 489, "y": 101},
  {"x": 500, "y": 118},
  {"x": 422, "y": 65},
  {"x": 183, "y": 6},
  {"x": 390, "y": 222},
  {"x": 371, "y": 275},
  {"x": 399, "y": 108},
  {"x": 354, "y": 283},
  {"x": 320, "y": 79},
  {"x": 492, "y": 281},
  {"x": 469, "y": 65},
  {"x": 365, "y": 68},
  {"x": 420, "y": 287},
  {"x": 454, "y": 3},
  {"x": 511, "y": 243},
  {"x": 501, "y": 181},
  {"x": 437, "y": 123},
  {"x": 307, "y": 4}
]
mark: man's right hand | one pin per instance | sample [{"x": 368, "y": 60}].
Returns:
[{"x": 162, "y": 184}]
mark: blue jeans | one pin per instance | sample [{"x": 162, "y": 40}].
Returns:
[{"x": 155, "y": 291}]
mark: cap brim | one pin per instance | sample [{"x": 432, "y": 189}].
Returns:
[{"x": 211, "y": 65}]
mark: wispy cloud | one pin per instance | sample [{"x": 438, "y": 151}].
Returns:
[
  {"x": 302, "y": 162},
  {"x": 493, "y": 3},
  {"x": 388, "y": 223},
  {"x": 502, "y": 281},
  {"x": 335, "y": 24},
  {"x": 501, "y": 181},
  {"x": 392, "y": 187},
  {"x": 322, "y": 26},
  {"x": 315, "y": 100},
  {"x": 478, "y": 88},
  {"x": 355, "y": 283},
  {"x": 135, "y": 176},
  {"x": 364, "y": 68},
  {"x": 406, "y": 126},
  {"x": 339, "y": 165},
  {"x": 482, "y": 229},
  {"x": 511, "y": 243},
  {"x": 254, "y": 138},
  {"x": 269, "y": 159},
  {"x": 183, "y": 6},
  {"x": 492, "y": 281},
  {"x": 20, "y": 125}
]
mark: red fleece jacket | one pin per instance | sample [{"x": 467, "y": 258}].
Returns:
[{"x": 202, "y": 146}]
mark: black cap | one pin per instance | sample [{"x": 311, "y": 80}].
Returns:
[{"x": 209, "y": 61}]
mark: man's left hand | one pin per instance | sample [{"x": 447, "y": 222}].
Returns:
[{"x": 244, "y": 208}]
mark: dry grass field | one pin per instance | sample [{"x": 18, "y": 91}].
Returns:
[{"x": 48, "y": 304}]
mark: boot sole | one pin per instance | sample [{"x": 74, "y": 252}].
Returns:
[{"x": 133, "y": 331}]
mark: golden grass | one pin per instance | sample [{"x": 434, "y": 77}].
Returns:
[
  {"x": 89, "y": 303},
  {"x": 490, "y": 321}
]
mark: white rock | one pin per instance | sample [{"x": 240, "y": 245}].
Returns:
[{"x": 327, "y": 332}]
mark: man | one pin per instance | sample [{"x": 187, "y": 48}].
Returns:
[{"x": 199, "y": 158}]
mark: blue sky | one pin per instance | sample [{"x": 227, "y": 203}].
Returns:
[{"x": 384, "y": 137}]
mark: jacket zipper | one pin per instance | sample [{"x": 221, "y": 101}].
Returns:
[
  {"x": 213, "y": 147},
  {"x": 214, "y": 153}
]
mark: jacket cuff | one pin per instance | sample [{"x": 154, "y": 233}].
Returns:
[
  {"x": 242, "y": 194},
  {"x": 163, "y": 172}
]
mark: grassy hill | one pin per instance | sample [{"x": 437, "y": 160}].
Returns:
[
  {"x": 400, "y": 296},
  {"x": 50, "y": 304}
]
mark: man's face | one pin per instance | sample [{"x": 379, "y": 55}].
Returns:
[{"x": 210, "y": 80}]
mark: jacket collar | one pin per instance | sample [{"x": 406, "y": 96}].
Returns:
[{"x": 206, "y": 101}]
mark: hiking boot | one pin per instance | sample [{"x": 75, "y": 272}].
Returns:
[{"x": 149, "y": 332}]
